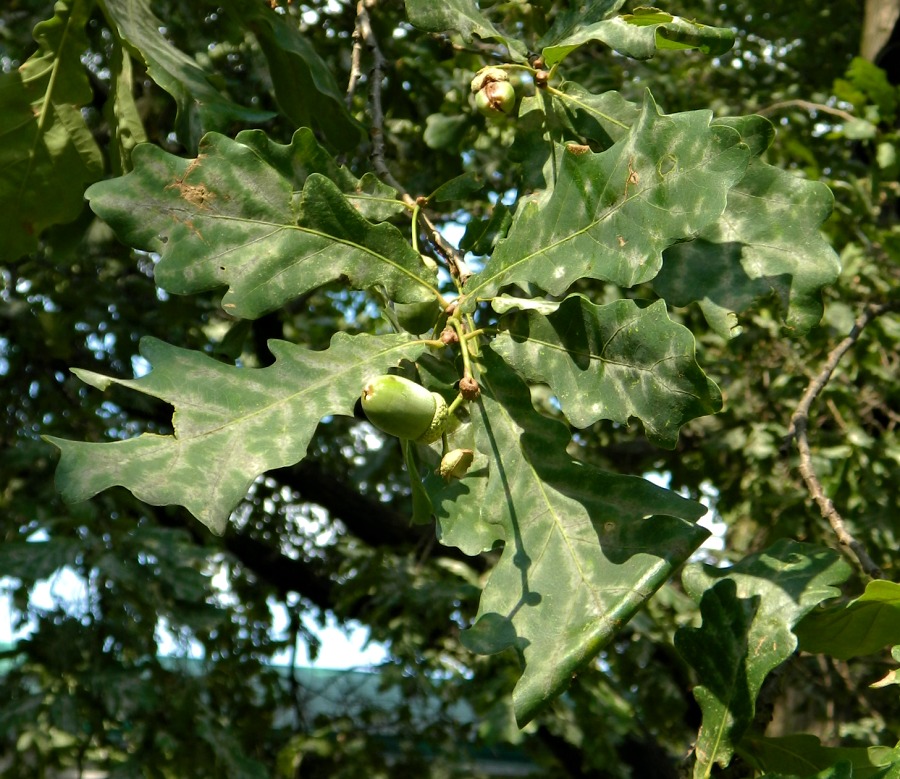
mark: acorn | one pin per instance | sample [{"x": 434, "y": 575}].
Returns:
[
  {"x": 493, "y": 93},
  {"x": 402, "y": 408},
  {"x": 455, "y": 463}
]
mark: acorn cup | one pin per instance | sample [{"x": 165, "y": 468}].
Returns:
[{"x": 402, "y": 408}]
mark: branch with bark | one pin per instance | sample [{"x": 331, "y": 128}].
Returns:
[{"x": 798, "y": 431}]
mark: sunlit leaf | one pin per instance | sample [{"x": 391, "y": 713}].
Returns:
[
  {"x": 613, "y": 362},
  {"x": 767, "y": 241},
  {"x": 748, "y": 611},
  {"x": 583, "y": 549},
  {"x": 463, "y": 17},
  {"x": 233, "y": 217},
  {"x": 610, "y": 215},
  {"x": 641, "y": 34},
  {"x": 230, "y": 424}
]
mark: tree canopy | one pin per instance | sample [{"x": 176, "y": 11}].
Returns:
[{"x": 639, "y": 513}]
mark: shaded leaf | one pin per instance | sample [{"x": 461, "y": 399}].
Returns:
[
  {"x": 641, "y": 34},
  {"x": 767, "y": 241},
  {"x": 201, "y": 106},
  {"x": 463, "y": 17},
  {"x": 30, "y": 561},
  {"x": 602, "y": 119},
  {"x": 610, "y": 215},
  {"x": 583, "y": 549},
  {"x": 230, "y": 424},
  {"x": 482, "y": 234},
  {"x": 613, "y": 362},
  {"x": 232, "y": 217},
  {"x": 305, "y": 88},
  {"x": 47, "y": 153},
  {"x": 569, "y": 21},
  {"x": 748, "y": 611},
  {"x": 121, "y": 112},
  {"x": 458, "y": 188},
  {"x": 803, "y": 755},
  {"x": 866, "y": 625}
]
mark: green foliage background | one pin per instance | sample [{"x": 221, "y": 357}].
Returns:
[{"x": 332, "y": 534}]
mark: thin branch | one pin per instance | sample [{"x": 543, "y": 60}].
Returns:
[
  {"x": 355, "y": 64},
  {"x": 455, "y": 262},
  {"x": 798, "y": 432},
  {"x": 808, "y": 106}
]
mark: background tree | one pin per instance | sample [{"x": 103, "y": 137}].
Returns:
[{"x": 332, "y": 534}]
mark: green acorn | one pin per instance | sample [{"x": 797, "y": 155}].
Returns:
[
  {"x": 493, "y": 93},
  {"x": 400, "y": 407},
  {"x": 455, "y": 463}
]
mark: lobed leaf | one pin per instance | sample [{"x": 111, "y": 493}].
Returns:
[
  {"x": 47, "y": 152},
  {"x": 804, "y": 755},
  {"x": 610, "y": 215},
  {"x": 613, "y": 362},
  {"x": 583, "y": 549},
  {"x": 863, "y": 626},
  {"x": 748, "y": 611},
  {"x": 201, "y": 106},
  {"x": 767, "y": 241},
  {"x": 230, "y": 424},
  {"x": 463, "y": 17},
  {"x": 232, "y": 217},
  {"x": 641, "y": 34}
]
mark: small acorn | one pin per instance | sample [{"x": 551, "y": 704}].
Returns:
[
  {"x": 493, "y": 93},
  {"x": 402, "y": 408},
  {"x": 455, "y": 463}
]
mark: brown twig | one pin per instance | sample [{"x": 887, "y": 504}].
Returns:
[
  {"x": 355, "y": 64},
  {"x": 798, "y": 431},
  {"x": 455, "y": 262},
  {"x": 807, "y": 105}
]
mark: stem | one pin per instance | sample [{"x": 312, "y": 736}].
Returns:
[
  {"x": 457, "y": 402},
  {"x": 459, "y": 271},
  {"x": 798, "y": 431},
  {"x": 464, "y": 349}
]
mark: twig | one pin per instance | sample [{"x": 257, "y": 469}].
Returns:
[
  {"x": 798, "y": 431},
  {"x": 455, "y": 262},
  {"x": 808, "y": 106},
  {"x": 355, "y": 63}
]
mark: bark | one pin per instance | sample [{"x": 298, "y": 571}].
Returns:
[{"x": 879, "y": 20}]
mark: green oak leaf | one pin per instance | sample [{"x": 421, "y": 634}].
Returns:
[
  {"x": 121, "y": 111},
  {"x": 569, "y": 21},
  {"x": 640, "y": 35},
  {"x": 305, "y": 88},
  {"x": 233, "y": 217},
  {"x": 463, "y": 17},
  {"x": 230, "y": 424},
  {"x": 803, "y": 755},
  {"x": 861, "y": 627},
  {"x": 767, "y": 241},
  {"x": 201, "y": 106},
  {"x": 748, "y": 612},
  {"x": 47, "y": 152},
  {"x": 583, "y": 549},
  {"x": 602, "y": 119},
  {"x": 613, "y": 362},
  {"x": 610, "y": 215}
]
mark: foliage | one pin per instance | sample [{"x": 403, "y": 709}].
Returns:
[{"x": 259, "y": 251}]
